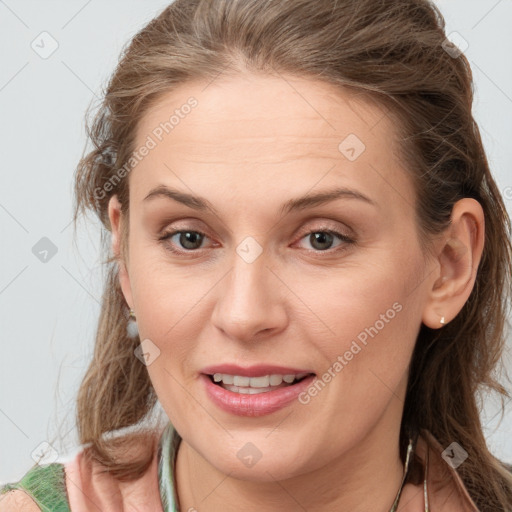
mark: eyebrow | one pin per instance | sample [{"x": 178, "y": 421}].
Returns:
[{"x": 299, "y": 203}]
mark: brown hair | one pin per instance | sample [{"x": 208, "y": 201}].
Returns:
[{"x": 392, "y": 52}]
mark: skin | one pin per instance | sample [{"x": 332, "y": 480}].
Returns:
[{"x": 252, "y": 143}]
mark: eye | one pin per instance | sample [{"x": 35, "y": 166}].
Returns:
[
  {"x": 188, "y": 240},
  {"x": 322, "y": 239}
]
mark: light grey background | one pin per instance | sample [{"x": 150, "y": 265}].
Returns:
[{"x": 48, "y": 311}]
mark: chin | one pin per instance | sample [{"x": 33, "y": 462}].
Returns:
[{"x": 258, "y": 461}]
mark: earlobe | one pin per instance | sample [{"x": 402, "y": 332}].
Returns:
[
  {"x": 116, "y": 219},
  {"x": 458, "y": 259}
]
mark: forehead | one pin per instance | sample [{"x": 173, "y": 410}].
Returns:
[
  {"x": 265, "y": 107},
  {"x": 247, "y": 128}
]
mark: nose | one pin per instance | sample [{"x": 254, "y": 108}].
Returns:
[{"x": 251, "y": 301}]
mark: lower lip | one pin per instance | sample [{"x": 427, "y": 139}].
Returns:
[{"x": 254, "y": 405}]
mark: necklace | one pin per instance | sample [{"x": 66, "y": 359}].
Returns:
[{"x": 406, "y": 471}]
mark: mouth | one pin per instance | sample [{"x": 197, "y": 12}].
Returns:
[
  {"x": 257, "y": 390},
  {"x": 245, "y": 385}
]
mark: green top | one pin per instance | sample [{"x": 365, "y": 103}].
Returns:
[{"x": 46, "y": 483}]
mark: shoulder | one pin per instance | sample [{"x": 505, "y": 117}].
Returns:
[
  {"x": 41, "y": 487},
  {"x": 91, "y": 485},
  {"x": 17, "y": 501}
]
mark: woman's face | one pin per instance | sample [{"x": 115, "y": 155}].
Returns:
[{"x": 266, "y": 278}]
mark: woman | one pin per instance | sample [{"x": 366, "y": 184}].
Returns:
[{"x": 310, "y": 269}]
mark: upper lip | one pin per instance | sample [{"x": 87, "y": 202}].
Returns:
[{"x": 253, "y": 371}]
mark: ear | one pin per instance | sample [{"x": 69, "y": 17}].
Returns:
[
  {"x": 116, "y": 219},
  {"x": 458, "y": 257}
]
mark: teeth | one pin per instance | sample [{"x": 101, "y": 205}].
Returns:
[
  {"x": 241, "y": 381},
  {"x": 264, "y": 381},
  {"x": 227, "y": 379},
  {"x": 275, "y": 380},
  {"x": 259, "y": 382},
  {"x": 247, "y": 390}
]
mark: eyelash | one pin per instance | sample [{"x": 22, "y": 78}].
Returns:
[{"x": 344, "y": 238}]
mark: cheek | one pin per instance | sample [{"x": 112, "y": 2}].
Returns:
[
  {"x": 359, "y": 303},
  {"x": 370, "y": 321},
  {"x": 164, "y": 293}
]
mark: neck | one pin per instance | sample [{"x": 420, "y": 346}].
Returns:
[{"x": 367, "y": 477}]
